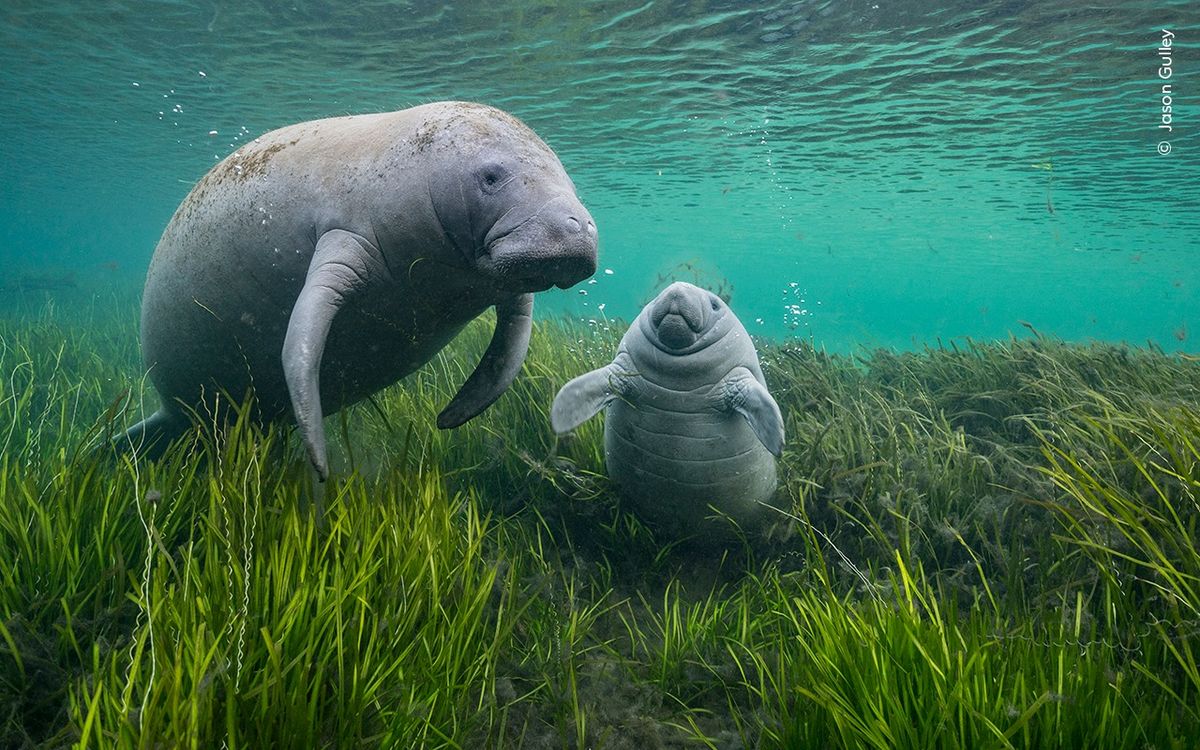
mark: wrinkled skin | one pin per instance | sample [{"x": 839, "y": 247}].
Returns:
[
  {"x": 326, "y": 260},
  {"x": 690, "y": 429}
]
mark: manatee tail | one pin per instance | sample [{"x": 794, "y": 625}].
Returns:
[{"x": 150, "y": 437}]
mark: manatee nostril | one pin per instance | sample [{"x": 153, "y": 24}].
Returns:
[
  {"x": 591, "y": 228},
  {"x": 573, "y": 224}
]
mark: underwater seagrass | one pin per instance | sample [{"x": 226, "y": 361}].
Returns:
[
  {"x": 690, "y": 427},
  {"x": 328, "y": 259}
]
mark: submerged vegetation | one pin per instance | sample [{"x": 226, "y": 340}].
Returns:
[{"x": 990, "y": 545}]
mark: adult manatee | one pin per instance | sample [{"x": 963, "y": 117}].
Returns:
[
  {"x": 326, "y": 260},
  {"x": 689, "y": 421}
]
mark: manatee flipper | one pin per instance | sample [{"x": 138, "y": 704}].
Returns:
[
  {"x": 343, "y": 265},
  {"x": 150, "y": 437},
  {"x": 499, "y": 365},
  {"x": 583, "y": 397},
  {"x": 739, "y": 391}
]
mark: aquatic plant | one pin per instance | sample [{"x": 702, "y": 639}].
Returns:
[
  {"x": 1135, "y": 482},
  {"x": 697, "y": 273},
  {"x": 984, "y": 545}
]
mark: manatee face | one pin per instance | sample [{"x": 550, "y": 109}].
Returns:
[
  {"x": 684, "y": 319},
  {"x": 507, "y": 205}
]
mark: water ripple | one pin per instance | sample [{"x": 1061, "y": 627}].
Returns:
[{"x": 842, "y": 116}]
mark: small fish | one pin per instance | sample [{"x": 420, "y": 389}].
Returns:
[
  {"x": 1181, "y": 332},
  {"x": 1049, "y": 204}
]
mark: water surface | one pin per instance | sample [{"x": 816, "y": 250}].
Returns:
[{"x": 859, "y": 173}]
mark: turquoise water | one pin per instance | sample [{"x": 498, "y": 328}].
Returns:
[{"x": 860, "y": 173}]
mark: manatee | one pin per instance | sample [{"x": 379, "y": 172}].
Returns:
[
  {"x": 326, "y": 260},
  {"x": 689, "y": 421}
]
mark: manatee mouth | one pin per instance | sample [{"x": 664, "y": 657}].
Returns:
[
  {"x": 543, "y": 250},
  {"x": 521, "y": 266},
  {"x": 683, "y": 319},
  {"x": 675, "y": 332},
  {"x": 678, "y": 319}
]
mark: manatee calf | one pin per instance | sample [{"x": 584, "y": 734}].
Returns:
[
  {"x": 689, "y": 421},
  {"x": 326, "y": 260}
]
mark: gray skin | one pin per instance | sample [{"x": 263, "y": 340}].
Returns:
[
  {"x": 328, "y": 259},
  {"x": 690, "y": 428}
]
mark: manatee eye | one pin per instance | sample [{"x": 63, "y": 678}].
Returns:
[
  {"x": 714, "y": 301},
  {"x": 492, "y": 178}
]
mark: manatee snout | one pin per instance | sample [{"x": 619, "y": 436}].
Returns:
[
  {"x": 556, "y": 246},
  {"x": 678, "y": 315}
]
